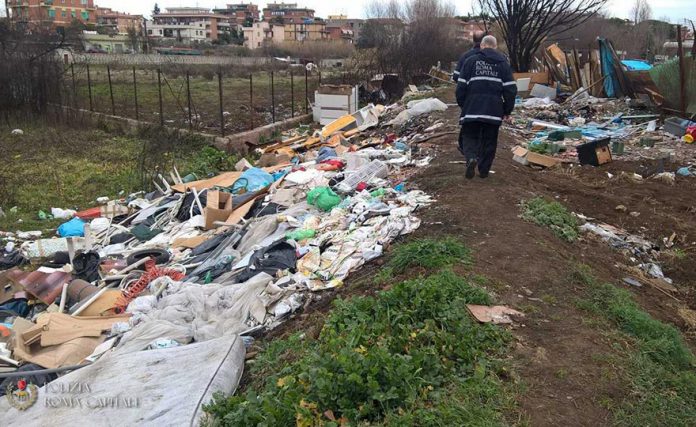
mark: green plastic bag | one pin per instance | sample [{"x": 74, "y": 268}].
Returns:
[
  {"x": 324, "y": 198},
  {"x": 299, "y": 235}
]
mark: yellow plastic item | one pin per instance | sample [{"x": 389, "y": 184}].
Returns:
[
  {"x": 342, "y": 124},
  {"x": 688, "y": 139}
]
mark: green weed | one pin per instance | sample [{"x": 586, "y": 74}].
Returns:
[
  {"x": 553, "y": 215},
  {"x": 410, "y": 353},
  {"x": 430, "y": 254}
]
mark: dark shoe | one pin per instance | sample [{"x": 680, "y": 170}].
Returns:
[
  {"x": 470, "y": 169},
  {"x": 483, "y": 174}
]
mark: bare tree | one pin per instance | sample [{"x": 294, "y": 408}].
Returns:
[
  {"x": 408, "y": 37},
  {"x": 526, "y": 24},
  {"x": 641, "y": 11}
]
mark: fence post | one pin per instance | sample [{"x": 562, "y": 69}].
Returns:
[
  {"x": 135, "y": 96},
  {"x": 319, "y": 78},
  {"x": 273, "y": 115},
  {"x": 188, "y": 96},
  {"x": 306, "y": 91},
  {"x": 111, "y": 91},
  {"x": 74, "y": 85},
  {"x": 89, "y": 87},
  {"x": 292, "y": 94},
  {"x": 159, "y": 91},
  {"x": 682, "y": 72},
  {"x": 251, "y": 99},
  {"x": 222, "y": 116}
]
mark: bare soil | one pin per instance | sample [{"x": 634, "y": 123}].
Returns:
[{"x": 559, "y": 353}]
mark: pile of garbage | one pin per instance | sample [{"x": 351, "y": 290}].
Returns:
[
  {"x": 187, "y": 275},
  {"x": 595, "y": 131},
  {"x": 642, "y": 254}
]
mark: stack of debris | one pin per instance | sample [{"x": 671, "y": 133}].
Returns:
[{"x": 184, "y": 275}]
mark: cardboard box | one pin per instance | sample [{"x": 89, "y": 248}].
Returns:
[
  {"x": 595, "y": 153},
  {"x": 218, "y": 208}
]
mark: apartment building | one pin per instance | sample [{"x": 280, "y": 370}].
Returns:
[
  {"x": 287, "y": 13},
  {"x": 258, "y": 34},
  {"x": 118, "y": 22},
  {"x": 54, "y": 13},
  {"x": 244, "y": 14},
  {"x": 340, "y": 27},
  {"x": 190, "y": 25}
]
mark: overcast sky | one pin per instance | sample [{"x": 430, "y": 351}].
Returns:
[{"x": 676, "y": 10}]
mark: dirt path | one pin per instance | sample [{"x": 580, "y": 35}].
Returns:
[{"x": 559, "y": 354}]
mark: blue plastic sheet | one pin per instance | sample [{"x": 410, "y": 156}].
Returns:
[
  {"x": 636, "y": 65},
  {"x": 73, "y": 228},
  {"x": 611, "y": 82}
]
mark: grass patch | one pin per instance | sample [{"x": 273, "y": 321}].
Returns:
[
  {"x": 431, "y": 254},
  {"x": 553, "y": 215},
  {"x": 69, "y": 167},
  {"x": 658, "y": 365},
  {"x": 410, "y": 355}
]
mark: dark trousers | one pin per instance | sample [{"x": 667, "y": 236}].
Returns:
[{"x": 479, "y": 141}]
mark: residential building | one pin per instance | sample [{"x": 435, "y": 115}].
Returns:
[
  {"x": 287, "y": 13},
  {"x": 55, "y": 13},
  {"x": 190, "y": 25},
  {"x": 257, "y": 35},
  {"x": 355, "y": 25},
  {"x": 306, "y": 31},
  {"x": 244, "y": 14},
  {"x": 109, "y": 43},
  {"x": 118, "y": 22},
  {"x": 338, "y": 32}
]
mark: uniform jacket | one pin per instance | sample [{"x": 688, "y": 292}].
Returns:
[
  {"x": 485, "y": 89},
  {"x": 473, "y": 51}
]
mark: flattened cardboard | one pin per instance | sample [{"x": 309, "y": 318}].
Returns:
[
  {"x": 188, "y": 242},
  {"x": 525, "y": 157},
  {"x": 541, "y": 160}
]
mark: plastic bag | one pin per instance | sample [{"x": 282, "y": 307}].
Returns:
[
  {"x": 73, "y": 228},
  {"x": 299, "y": 235},
  {"x": 324, "y": 198},
  {"x": 62, "y": 213},
  {"x": 252, "y": 180}
]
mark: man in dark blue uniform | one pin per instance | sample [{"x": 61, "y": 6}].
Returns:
[
  {"x": 478, "y": 36},
  {"x": 486, "y": 94}
]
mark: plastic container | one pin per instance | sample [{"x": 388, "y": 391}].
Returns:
[
  {"x": 374, "y": 169},
  {"x": 677, "y": 126}
]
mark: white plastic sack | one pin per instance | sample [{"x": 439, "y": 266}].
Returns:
[
  {"x": 417, "y": 108},
  {"x": 59, "y": 213},
  {"x": 99, "y": 224}
]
